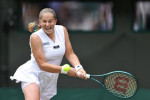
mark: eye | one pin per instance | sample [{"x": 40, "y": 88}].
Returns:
[
  {"x": 50, "y": 21},
  {"x": 44, "y": 21}
]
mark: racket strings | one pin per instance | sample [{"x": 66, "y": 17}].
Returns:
[{"x": 120, "y": 84}]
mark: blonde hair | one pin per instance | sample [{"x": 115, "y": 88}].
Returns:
[
  {"x": 33, "y": 27},
  {"x": 47, "y": 10}
]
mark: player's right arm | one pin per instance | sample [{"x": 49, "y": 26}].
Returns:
[{"x": 38, "y": 53}]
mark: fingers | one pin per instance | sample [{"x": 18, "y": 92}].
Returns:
[
  {"x": 82, "y": 75},
  {"x": 72, "y": 72}
]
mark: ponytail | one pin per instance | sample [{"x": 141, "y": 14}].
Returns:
[{"x": 33, "y": 27}]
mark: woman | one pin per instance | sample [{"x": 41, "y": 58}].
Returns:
[{"x": 49, "y": 44}]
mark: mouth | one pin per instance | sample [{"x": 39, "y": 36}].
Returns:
[{"x": 48, "y": 29}]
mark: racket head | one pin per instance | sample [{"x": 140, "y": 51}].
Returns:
[{"x": 120, "y": 84}]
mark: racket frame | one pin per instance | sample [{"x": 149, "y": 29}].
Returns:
[{"x": 102, "y": 84}]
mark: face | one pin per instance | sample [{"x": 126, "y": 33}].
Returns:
[{"x": 47, "y": 22}]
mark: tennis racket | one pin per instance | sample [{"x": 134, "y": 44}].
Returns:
[{"x": 119, "y": 83}]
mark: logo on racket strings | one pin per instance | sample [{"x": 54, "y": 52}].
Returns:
[{"x": 121, "y": 83}]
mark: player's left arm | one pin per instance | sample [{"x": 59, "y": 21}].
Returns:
[{"x": 71, "y": 56}]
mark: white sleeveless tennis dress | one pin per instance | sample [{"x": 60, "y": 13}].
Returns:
[{"x": 30, "y": 71}]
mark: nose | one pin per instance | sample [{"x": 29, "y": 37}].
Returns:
[{"x": 47, "y": 24}]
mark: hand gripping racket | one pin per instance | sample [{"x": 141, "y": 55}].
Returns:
[{"x": 119, "y": 83}]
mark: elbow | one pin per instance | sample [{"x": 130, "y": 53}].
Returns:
[
  {"x": 42, "y": 66},
  {"x": 68, "y": 54}
]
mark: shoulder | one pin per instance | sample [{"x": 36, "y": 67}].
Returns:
[
  {"x": 36, "y": 34},
  {"x": 65, "y": 30},
  {"x": 35, "y": 41},
  {"x": 60, "y": 27},
  {"x": 34, "y": 37}
]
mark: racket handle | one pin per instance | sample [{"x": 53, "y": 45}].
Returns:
[{"x": 87, "y": 75}]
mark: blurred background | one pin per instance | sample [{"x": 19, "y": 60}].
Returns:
[{"x": 106, "y": 35}]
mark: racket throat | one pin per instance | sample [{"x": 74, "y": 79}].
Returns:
[{"x": 97, "y": 81}]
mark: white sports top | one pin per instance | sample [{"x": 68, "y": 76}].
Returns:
[
  {"x": 30, "y": 71},
  {"x": 54, "y": 51}
]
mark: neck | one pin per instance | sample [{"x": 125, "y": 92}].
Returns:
[{"x": 52, "y": 36}]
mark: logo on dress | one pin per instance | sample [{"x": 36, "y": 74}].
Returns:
[
  {"x": 46, "y": 43},
  {"x": 56, "y": 47}
]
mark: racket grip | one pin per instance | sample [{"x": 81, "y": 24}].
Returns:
[{"x": 87, "y": 75}]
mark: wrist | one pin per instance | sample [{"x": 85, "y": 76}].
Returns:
[
  {"x": 78, "y": 67},
  {"x": 65, "y": 68}
]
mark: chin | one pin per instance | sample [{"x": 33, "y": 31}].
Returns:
[{"x": 49, "y": 32}]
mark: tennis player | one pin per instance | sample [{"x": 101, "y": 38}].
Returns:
[{"x": 49, "y": 44}]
